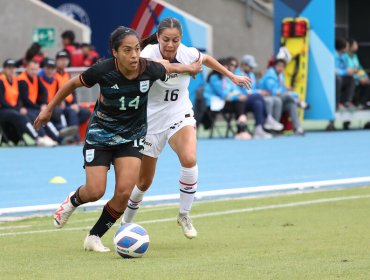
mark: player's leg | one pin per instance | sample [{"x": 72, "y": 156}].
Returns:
[
  {"x": 183, "y": 142},
  {"x": 93, "y": 190},
  {"x": 126, "y": 167},
  {"x": 147, "y": 171},
  {"x": 96, "y": 163}
]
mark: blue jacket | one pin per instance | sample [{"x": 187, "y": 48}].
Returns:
[
  {"x": 341, "y": 64},
  {"x": 220, "y": 87},
  {"x": 272, "y": 82}
]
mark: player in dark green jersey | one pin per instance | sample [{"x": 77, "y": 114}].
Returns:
[{"x": 116, "y": 128}]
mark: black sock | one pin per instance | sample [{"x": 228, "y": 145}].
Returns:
[
  {"x": 75, "y": 199},
  {"x": 107, "y": 219}
]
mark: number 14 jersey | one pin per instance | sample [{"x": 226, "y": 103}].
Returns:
[{"x": 168, "y": 101}]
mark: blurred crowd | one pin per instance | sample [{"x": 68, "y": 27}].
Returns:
[
  {"x": 268, "y": 99},
  {"x": 23, "y": 95}
]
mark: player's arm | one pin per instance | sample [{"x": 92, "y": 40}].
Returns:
[
  {"x": 193, "y": 68},
  {"x": 212, "y": 63},
  {"x": 62, "y": 93}
]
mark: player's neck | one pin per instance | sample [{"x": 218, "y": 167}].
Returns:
[{"x": 128, "y": 74}]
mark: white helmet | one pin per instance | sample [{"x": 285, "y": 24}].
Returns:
[{"x": 284, "y": 54}]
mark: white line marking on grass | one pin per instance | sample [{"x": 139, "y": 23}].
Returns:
[
  {"x": 14, "y": 227},
  {"x": 211, "y": 214}
]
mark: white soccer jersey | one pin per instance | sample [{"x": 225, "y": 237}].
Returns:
[{"x": 169, "y": 101}]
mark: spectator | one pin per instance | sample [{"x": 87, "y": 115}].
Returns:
[
  {"x": 361, "y": 78},
  {"x": 75, "y": 114},
  {"x": 253, "y": 103},
  {"x": 273, "y": 82},
  {"x": 34, "y": 98},
  {"x": 13, "y": 116},
  {"x": 247, "y": 64},
  {"x": 345, "y": 82},
  {"x": 33, "y": 53},
  {"x": 47, "y": 78},
  {"x": 229, "y": 98},
  {"x": 90, "y": 56},
  {"x": 73, "y": 49}
]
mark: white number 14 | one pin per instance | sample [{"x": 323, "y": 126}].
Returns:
[{"x": 133, "y": 103}]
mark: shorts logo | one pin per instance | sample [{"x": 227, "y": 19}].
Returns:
[
  {"x": 144, "y": 86},
  {"x": 90, "y": 155}
]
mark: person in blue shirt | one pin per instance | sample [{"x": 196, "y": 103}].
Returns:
[
  {"x": 222, "y": 94},
  {"x": 272, "y": 104},
  {"x": 273, "y": 82},
  {"x": 345, "y": 82},
  {"x": 362, "y": 80}
]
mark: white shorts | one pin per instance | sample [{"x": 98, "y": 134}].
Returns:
[{"x": 155, "y": 143}]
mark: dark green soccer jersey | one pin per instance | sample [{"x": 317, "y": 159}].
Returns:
[{"x": 120, "y": 111}]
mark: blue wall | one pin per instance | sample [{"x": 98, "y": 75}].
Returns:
[{"x": 321, "y": 66}]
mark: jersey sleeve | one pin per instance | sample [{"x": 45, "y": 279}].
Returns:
[
  {"x": 192, "y": 54},
  {"x": 157, "y": 70},
  {"x": 91, "y": 76},
  {"x": 148, "y": 52}
]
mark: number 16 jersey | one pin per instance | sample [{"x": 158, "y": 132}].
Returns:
[{"x": 168, "y": 101}]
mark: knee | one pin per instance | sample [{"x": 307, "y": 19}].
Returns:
[
  {"x": 122, "y": 193},
  {"x": 95, "y": 193},
  {"x": 145, "y": 182},
  {"x": 188, "y": 160}
]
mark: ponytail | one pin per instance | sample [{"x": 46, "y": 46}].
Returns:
[{"x": 150, "y": 40}]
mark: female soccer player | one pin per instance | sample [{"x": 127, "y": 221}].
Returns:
[
  {"x": 116, "y": 129},
  {"x": 170, "y": 118}
]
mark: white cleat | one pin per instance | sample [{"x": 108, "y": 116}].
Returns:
[
  {"x": 93, "y": 243},
  {"x": 64, "y": 211},
  {"x": 187, "y": 227}
]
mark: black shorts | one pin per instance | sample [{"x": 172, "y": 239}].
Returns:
[{"x": 105, "y": 156}]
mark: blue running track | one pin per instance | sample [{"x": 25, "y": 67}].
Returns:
[{"x": 223, "y": 164}]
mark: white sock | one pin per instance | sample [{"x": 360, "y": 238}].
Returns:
[
  {"x": 133, "y": 205},
  {"x": 188, "y": 188}
]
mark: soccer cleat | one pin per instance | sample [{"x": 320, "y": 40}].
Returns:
[
  {"x": 93, "y": 243},
  {"x": 187, "y": 227},
  {"x": 65, "y": 210}
]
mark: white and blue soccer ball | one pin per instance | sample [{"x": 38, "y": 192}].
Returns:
[{"x": 131, "y": 241}]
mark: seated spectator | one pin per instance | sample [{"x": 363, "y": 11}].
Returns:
[
  {"x": 221, "y": 95},
  {"x": 253, "y": 103},
  {"x": 47, "y": 78},
  {"x": 73, "y": 49},
  {"x": 34, "y": 98},
  {"x": 362, "y": 80},
  {"x": 90, "y": 56},
  {"x": 13, "y": 116},
  {"x": 273, "y": 82},
  {"x": 345, "y": 82},
  {"x": 75, "y": 114},
  {"x": 33, "y": 53},
  {"x": 247, "y": 64}
]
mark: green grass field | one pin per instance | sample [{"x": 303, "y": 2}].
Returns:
[{"x": 318, "y": 235}]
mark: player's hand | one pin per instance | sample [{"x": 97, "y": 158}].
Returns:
[
  {"x": 242, "y": 81},
  {"x": 42, "y": 118},
  {"x": 196, "y": 68}
]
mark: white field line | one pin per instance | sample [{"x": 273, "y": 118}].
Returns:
[
  {"x": 210, "y": 214},
  {"x": 14, "y": 227},
  {"x": 204, "y": 194}
]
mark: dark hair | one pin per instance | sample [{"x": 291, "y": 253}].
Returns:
[
  {"x": 279, "y": 60},
  {"x": 33, "y": 50},
  {"x": 118, "y": 35},
  {"x": 230, "y": 59},
  {"x": 164, "y": 24},
  {"x": 68, "y": 34},
  {"x": 222, "y": 61},
  {"x": 340, "y": 43}
]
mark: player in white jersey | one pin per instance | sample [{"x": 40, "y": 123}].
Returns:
[{"x": 170, "y": 119}]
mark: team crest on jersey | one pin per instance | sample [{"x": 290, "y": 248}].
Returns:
[
  {"x": 144, "y": 86},
  {"x": 90, "y": 155}
]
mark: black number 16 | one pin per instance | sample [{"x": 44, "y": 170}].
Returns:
[{"x": 173, "y": 95}]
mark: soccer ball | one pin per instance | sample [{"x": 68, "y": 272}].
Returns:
[{"x": 131, "y": 241}]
